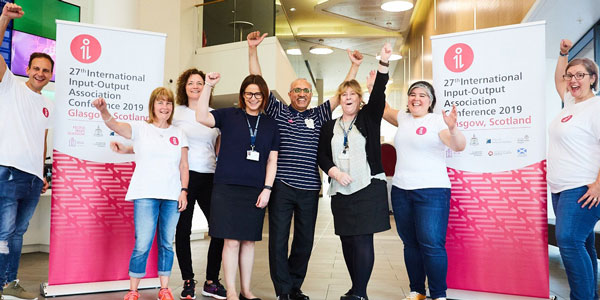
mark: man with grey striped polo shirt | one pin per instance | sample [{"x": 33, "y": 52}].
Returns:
[{"x": 297, "y": 183}]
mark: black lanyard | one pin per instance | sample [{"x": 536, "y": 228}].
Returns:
[
  {"x": 254, "y": 132},
  {"x": 346, "y": 132}
]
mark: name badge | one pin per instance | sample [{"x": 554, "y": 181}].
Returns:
[
  {"x": 310, "y": 123},
  {"x": 252, "y": 155}
]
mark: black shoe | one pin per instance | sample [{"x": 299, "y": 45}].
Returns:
[
  {"x": 189, "y": 289},
  {"x": 244, "y": 298},
  {"x": 284, "y": 297},
  {"x": 298, "y": 295},
  {"x": 349, "y": 292},
  {"x": 352, "y": 297}
]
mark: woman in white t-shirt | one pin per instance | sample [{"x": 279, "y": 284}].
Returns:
[
  {"x": 158, "y": 187},
  {"x": 421, "y": 187},
  {"x": 573, "y": 170}
]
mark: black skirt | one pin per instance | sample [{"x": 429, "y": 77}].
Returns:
[
  {"x": 233, "y": 214},
  {"x": 362, "y": 212}
]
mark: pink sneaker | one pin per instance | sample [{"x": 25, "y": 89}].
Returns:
[
  {"x": 165, "y": 294},
  {"x": 132, "y": 295}
]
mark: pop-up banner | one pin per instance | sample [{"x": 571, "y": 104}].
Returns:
[
  {"x": 92, "y": 229},
  {"x": 497, "y": 232}
]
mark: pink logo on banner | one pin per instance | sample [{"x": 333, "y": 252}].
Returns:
[
  {"x": 421, "y": 130},
  {"x": 566, "y": 119},
  {"x": 174, "y": 140},
  {"x": 45, "y": 112},
  {"x": 458, "y": 57},
  {"x": 85, "y": 48},
  {"x": 498, "y": 231}
]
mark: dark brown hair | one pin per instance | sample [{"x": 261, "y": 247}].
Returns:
[
  {"x": 262, "y": 86},
  {"x": 35, "y": 55},
  {"x": 431, "y": 93},
  {"x": 590, "y": 66},
  {"x": 182, "y": 98}
]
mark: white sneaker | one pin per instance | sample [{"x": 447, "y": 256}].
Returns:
[{"x": 415, "y": 296}]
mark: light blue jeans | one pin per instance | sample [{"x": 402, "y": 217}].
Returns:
[
  {"x": 148, "y": 215},
  {"x": 575, "y": 238},
  {"x": 19, "y": 196}
]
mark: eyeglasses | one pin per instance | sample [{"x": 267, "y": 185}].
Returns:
[
  {"x": 577, "y": 76},
  {"x": 257, "y": 95},
  {"x": 298, "y": 90}
]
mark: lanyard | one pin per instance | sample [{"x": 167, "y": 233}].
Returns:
[
  {"x": 252, "y": 132},
  {"x": 346, "y": 132}
]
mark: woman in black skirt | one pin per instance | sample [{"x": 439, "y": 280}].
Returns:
[
  {"x": 244, "y": 175},
  {"x": 350, "y": 153}
]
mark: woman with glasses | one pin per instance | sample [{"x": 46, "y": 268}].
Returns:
[
  {"x": 244, "y": 176},
  {"x": 573, "y": 170}
]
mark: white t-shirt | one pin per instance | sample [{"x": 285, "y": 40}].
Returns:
[
  {"x": 157, "y": 157},
  {"x": 24, "y": 117},
  {"x": 420, "y": 153},
  {"x": 574, "y": 145},
  {"x": 201, "y": 139}
]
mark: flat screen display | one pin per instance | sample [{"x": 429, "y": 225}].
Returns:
[
  {"x": 41, "y": 15},
  {"x": 23, "y": 44}
]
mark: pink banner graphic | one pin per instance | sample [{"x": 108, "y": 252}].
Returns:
[
  {"x": 92, "y": 230},
  {"x": 497, "y": 238}
]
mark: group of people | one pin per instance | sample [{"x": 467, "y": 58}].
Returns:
[{"x": 268, "y": 156}]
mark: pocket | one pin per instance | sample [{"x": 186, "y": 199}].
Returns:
[
  {"x": 6, "y": 174},
  {"x": 7, "y": 183}
]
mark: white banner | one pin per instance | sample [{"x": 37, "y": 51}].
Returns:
[
  {"x": 495, "y": 78},
  {"x": 121, "y": 66}
]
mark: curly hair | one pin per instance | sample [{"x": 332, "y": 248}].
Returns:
[{"x": 182, "y": 98}]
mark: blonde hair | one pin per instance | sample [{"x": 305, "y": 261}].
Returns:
[
  {"x": 156, "y": 93},
  {"x": 352, "y": 84}
]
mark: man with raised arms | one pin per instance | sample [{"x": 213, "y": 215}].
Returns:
[
  {"x": 25, "y": 116},
  {"x": 297, "y": 183}
]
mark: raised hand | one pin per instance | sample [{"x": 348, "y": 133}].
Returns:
[
  {"x": 12, "y": 11},
  {"x": 450, "y": 119},
  {"x": 121, "y": 148},
  {"x": 213, "y": 78},
  {"x": 100, "y": 104},
  {"x": 565, "y": 46},
  {"x": 254, "y": 38},
  {"x": 386, "y": 52},
  {"x": 355, "y": 57}
]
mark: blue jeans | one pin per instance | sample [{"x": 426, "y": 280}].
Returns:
[
  {"x": 19, "y": 195},
  {"x": 575, "y": 238},
  {"x": 421, "y": 220},
  {"x": 148, "y": 213}
]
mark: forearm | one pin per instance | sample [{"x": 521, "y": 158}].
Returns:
[
  {"x": 202, "y": 114},
  {"x": 352, "y": 72},
  {"x": 3, "y": 25},
  {"x": 390, "y": 114},
  {"x": 457, "y": 141},
  {"x": 253, "y": 63},
  {"x": 271, "y": 168},
  {"x": 333, "y": 172},
  {"x": 185, "y": 174},
  {"x": 121, "y": 128}
]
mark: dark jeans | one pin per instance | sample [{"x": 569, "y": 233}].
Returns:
[
  {"x": 575, "y": 238},
  {"x": 200, "y": 189},
  {"x": 287, "y": 273},
  {"x": 422, "y": 219},
  {"x": 19, "y": 196}
]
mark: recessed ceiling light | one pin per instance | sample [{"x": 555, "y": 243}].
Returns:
[
  {"x": 397, "y": 5},
  {"x": 293, "y": 9},
  {"x": 320, "y": 50},
  {"x": 293, "y": 51},
  {"x": 392, "y": 58}
]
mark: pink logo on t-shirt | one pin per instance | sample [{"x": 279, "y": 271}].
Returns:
[
  {"x": 85, "y": 48},
  {"x": 458, "y": 57},
  {"x": 421, "y": 130},
  {"x": 174, "y": 140},
  {"x": 566, "y": 119},
  {"x": 45, "y": 112}
]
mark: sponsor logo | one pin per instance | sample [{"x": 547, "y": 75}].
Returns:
[
  {"x": 174, "y": 140},
  {"x": 522, "y": 152}
]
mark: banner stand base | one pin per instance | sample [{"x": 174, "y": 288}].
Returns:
[{"x": 94, "y": 287}]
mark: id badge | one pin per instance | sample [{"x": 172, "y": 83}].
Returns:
[{"x": 252, "y": 155}]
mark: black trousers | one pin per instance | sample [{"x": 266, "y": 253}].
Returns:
[
  {"x": 200, "y": 190},
  {"x": 287, "y": 273}
]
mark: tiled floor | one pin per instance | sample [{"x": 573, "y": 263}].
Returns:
[{"x": 327, "y": 277}]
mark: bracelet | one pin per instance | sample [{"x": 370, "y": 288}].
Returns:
[
  {"x": 385, "y": 64},
  {"x": 184, "y": 189},
  {"x": 267, "y": 187},
  {"x": 108, "y": 119},
  {"x": 563, "y": 54},
  {"x": 211, "y": 85}
]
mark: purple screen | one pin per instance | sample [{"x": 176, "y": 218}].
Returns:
[{"x": 23, "y": 44}]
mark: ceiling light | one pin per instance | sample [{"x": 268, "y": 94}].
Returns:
[
  {"x": 293, "y": 51},
  {"x": 392, "y": 58},
  {"x": 293, "y": 9},
  {"x": 397, "y": 5},
  {"x": 320, "y": 50}
]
